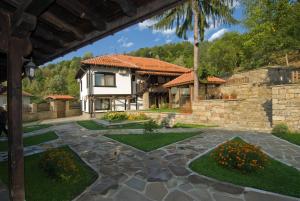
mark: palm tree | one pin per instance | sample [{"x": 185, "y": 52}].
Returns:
[{"x": 196, "y": 15}]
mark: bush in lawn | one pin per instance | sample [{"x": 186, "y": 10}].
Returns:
[
  {"x": 115, "y": 116},
  {"x": 137, "y": 116},
  {"x": 153, "y": 107},
  {"x": 280, "y": 129},
  {"x": 59, "y": 165},
  {"x": 241, "y": 156},
  {"x": 150, "y": 126}
]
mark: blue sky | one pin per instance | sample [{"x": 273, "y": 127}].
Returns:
[{"x": 140, "y": 35}]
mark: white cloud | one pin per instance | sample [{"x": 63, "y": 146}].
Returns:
[
  {"x": 124, "y": 42},
  {"x": 218, "y": 34},
  {"x": 168, "y": 40},
  {"x": 157, "y": 39},
  {"x": 166, "y": 32},
  {"x": 146, "y": 24},
  {"x": 129, "y": 44}
]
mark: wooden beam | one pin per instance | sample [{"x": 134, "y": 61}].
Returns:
[
  {"x": 143, "y": 13},
  {"x": 27, "y": 25},
  {"x": 85, "y": 12},
  {"x": 127, "y": 6},
  {"x": 17, "y": 18},
  {"x": 62, "y": 24},
  {"x": 17, "y": 48},
  {"x": 38, "y": 7}
]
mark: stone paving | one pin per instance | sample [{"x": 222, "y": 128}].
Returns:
[{"x": 127, "y": 174}]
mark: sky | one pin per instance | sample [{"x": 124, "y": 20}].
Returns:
[{"x": 140, "y": 35}]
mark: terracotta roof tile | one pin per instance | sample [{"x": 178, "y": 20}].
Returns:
[
  {"x": 59, "y": 97},
  {"x": 188, "y": 78},
  {"x": 157, "y": 73},
  {"x": 141, "y": 63}
]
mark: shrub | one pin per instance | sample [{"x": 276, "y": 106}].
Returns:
[
  {"x": 150, "y": 126},
  {"x": 115, "y": 116},
  {"x": 280, "y": 129},
  {"x": 239, "y": 155},
  {"x": 153, "y": 107},
  {"x": 164, "y": 106},
  {"x": 59, "y": 165},
  {"x": 138, "y": 116}
]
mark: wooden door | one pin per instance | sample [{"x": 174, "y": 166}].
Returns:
[{"x": 61, "y": 109}]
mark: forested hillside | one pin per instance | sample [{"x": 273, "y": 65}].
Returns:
[{"x": 273, "y": 38}]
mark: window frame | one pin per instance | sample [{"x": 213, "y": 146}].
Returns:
[
  {"x": 105, "y": 73},
  {"x": 102, "y": 99}
]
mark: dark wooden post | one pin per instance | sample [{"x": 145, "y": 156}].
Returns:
[
  {"x": 170, "y": 98},
  {"x": 15, "y": 139}
]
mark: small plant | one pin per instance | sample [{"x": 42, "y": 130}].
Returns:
[
  {"x": 165, "y": 123},
  {"x": 239, "y": 155},
  {"x": 153, "y": 107},
  {"x": 280, "y": 129},
  {"x": 150, "y": 126},
  {"x": 59, "y": 165},
  {"x": 115, "y": 116},
  {"x": 138, "y": 116},
  {"x": 164, "y": 106}
]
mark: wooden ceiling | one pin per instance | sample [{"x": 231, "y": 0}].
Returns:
[{"x": 63, "y": 26}]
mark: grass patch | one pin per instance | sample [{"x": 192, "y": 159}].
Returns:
[
  {"x": 291, "y": 137},
  {"x": 42, "y": 188},
  {"x": 275, "y": 177},
  {"x": 33, "y": 140},
  {"x": 149, "y": 142},
  {"x": 27, "y": 129},
  {"x": 92, "y": 125},
  {"x": 182, "y": 125}
]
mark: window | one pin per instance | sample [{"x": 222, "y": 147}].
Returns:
[
  {"x": 87, "y": 80},
  {"x": 84, "y": 105},
  {"x": 80, "y": 85},
  {"x": 102, "y": 104},
  {"x": 105, "y": 80}
]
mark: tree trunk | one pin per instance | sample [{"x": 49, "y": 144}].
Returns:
[
  {"x": 196, "y": 50},
  {"x": 287, "y": 59}
]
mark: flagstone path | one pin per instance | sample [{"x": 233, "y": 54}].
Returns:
[{"x": 127, "y": 174}]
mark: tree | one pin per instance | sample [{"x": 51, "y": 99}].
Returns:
[
  {"x": 87, "y": 55},
  {"x": 195, "y": 15},
  {"x": 274, "y": 30}
]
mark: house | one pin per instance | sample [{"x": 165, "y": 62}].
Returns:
[
  {"x": 26, "y": 99},
  {"x": 122, "y": 82},
  {"x": 181, "y": 89}
]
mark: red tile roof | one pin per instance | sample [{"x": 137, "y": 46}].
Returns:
[
  {"x": 188, "y": 78},
  {"x": 140, "y": 63},
  {"x": 59, "y": 97},
  {"x": 157, "y": 73}
]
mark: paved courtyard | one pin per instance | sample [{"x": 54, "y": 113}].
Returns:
[{"x": 127, "y": 174}]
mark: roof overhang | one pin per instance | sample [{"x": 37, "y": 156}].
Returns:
[{"x": 63, "y": 26}]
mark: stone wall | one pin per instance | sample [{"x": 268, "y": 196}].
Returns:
[
  {"x": 236, "y": 114},
  {"x": 286, "y": 105}
]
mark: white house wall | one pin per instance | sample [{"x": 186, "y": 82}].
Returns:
[{"x": 123, "y": 82}]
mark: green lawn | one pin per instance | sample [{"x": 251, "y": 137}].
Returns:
[
  {"x": 39, "y": 187},
  {"x": 276, "y": 177},
  {"x": 27, "y": 129},
  {"x": 92, "y": 125},
  {"x": 149, "y": 142},
  {"x": 291, "y": 137},
  {"x": 33, "y": 140},
  {"x": 182, "y": 125}
]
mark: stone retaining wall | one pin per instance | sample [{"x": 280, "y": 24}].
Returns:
[{"x": 286, "y": 105}]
